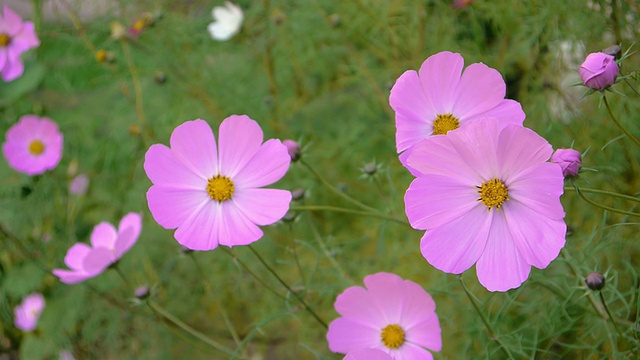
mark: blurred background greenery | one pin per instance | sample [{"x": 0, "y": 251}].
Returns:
[{"x": 319, "y": 72}]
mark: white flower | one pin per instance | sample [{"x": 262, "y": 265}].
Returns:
[{"x": 227, "y": 21}]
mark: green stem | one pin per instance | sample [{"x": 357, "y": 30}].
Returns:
[
  {"x": 345, "y": 210},
  {"x": 605, "y": 207},
  {"x": 258, "y": 279},
  {"x": 604, "y": 192},
  {"x": 179, "y": 323},
  {"x": 615, "y": 121},
  {"x": 606, "y": 308},
  {"x": 336, "y": 191},
  {"x": 484, "y": 319},
  {"x": 138, "y": 91},
  {"x": 301, "y": 300}
]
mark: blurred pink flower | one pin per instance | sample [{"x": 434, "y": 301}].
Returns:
[
  {"x": 368, "y": 354},
  {"x": 462, "y": 3},
  {"x": 393, "y": 315},
  {"x": 212, "y": 194},
  {"x": 33, "y": 145},
  {"x": 79, "y": 185},
  {"x": 28, "y": 312},
  {"x": 599, "y": 71},
  {"x": 16, "y": 37},
  {"x": 569, "y": 160},
  {"x": 107, "y": 247},
  {"x": 440, "y": 98},
  {"x": 487, "y": 195}
]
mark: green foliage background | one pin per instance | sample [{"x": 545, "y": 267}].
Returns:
[{"x": 318, "y": 72}]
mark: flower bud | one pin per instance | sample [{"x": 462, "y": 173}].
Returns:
[
  {"x": 370, "y": 168},
  {"x": 79, "y": 185},
  {"x": 599, "y": 71},
  {"x": 297, "y": 194},
  {"x": 293, "y": 148},
  {"x": 142, "y": 292},
  {"x": 595, "y": 281},
  {"x": 613, "y": 50},
  {"x": 569, "y": 160}
]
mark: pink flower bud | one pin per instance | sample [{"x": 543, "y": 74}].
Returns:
[
  {"x": 293, "y": 148},
  {"x": 599, "y": 71},
  {"x": 569, "y": 160}
]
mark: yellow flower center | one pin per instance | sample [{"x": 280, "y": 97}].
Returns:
[
  {"x": 392, "y": 336},
  {"x": 4, "y": 40},
  {"x": 220, "y": 188},
  {"x": 445, "y": 123},
  {"x": 101, "y": 56},
  {"x": 36, "y": 147},
  {"x": 493, "y": 193}
]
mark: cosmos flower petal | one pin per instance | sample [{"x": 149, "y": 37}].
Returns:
[
  {"x": 19, "y": 138},
  {"x": 262, "y": 206},
  {"x": 507, "y": 111},
  {"x": 368, "y": 354},
  {"x": 385, "y": 290},
  {"x": 128, "y": 232},
  {"x": 519, "y": 148},
  {"x": 454, "y": 247},
  {"x": 355, "y": 303},
  {"x": 538, "y": 239},
  {"x": 539, "y": 189},
  {"x": 12, "y": 69},
  {"x": 267, "y": 166},
  {"x": 193, "y": 145},
  {"x": 163, "y": 168},
  {"x": 447, "y": 163},
  {"x": 13, "y": 22},
  {"x": 414, "y": 116},
  {"x": 236, "y": 228},
  {"x": 440, "y": 75},
  {"x": 411, "y": 352},
  {"x": 200, "y": 230},
  {"x": 481, "y": 88},
  {"x": 418, "y": 306},
  {"x": 104, "y": 235},
  {"x": 75, "y": 256},
  {"x": 423, "y": 332},
  {"x": 97, "y": 260},
  {"x": 172, "y": 207},
  {"x": 345, "y": 335},
  {"x": 434, "y": 200},
  {"x": 240, "y": 139},
  {"x": 28, "y": 312},
  {"x": 501, "y": 266},
  {"x": 70, "y": 276}
]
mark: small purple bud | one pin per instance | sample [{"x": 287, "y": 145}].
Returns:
[
  {"x": 297, "y": 194},
  {"x": 293, "y": 148},
  {"x": 595, "y": 281},
  {"x": 569, "y": 160},
  {"x": 142, "y": 292},
  {"x": 599, "y": 71},
  {"x": 79, "y": 185}
]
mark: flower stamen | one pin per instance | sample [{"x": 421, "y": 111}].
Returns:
[
  {"x": 36, "y": 147},
  {"x": 4, "y": 40},
  {"x": 220, "y": 188},
  {"x": 445, "y": 123},
  {"x": 392, "y": 336},
  {"x": 493, "y": 193}
]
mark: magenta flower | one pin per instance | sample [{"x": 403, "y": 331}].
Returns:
[
  {"x": 107, "y": 247},
  {"x": 487, "y": 195},
  {"x": 440, "y": 98},
  {"x": 33, "y": 145},
  {"x": 212, "y": 194},
  {"x": 393, "y": 315},
  {"x": 28, "y": 312},
  {"x": 16, "y": 37},
  {"x": 368, "y": 354},
  {"x": 569, "y": 160},
  {"x": 599, "y": 71}
]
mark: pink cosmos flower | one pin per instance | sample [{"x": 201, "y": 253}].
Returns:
[
  {"x": 487, "y": 195},
  {"x": 79, "y": 185},
  {"x": 599, "y": 71},
  {"x": 107, "y": 246},
  {"x": 393, "y": 315},
  {"x": 368, "y": 354},
  {"x": 33, "y": 145},
  {"x": 212, "y": 194},
  {"x": 440, "y": 98},
  {"x": 569, "y": 160},
  {"x": 28, "y": 312},
  {"x": 16, "y": 37}
]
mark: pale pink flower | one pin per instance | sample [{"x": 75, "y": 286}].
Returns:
[
  {"x": 368, "y": 354},
  {"x": 16, "y": 37},
  {"x": 392, "y": 315},
  {"x": 570, "y": 161},
  {"x": 213, "y": 194},
  {"x": 108, "y": 244},
  {"x": 440, "y": 98},
  {"x": 487, "y": 195},
  {"x": 79, "y": 185},
  {"x": 28, "y": 312},
  {"x": 33, "y": 145},
  {"x": 599, "y": 71}
]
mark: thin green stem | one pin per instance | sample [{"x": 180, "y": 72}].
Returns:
[
  {"x": 615, "y": 121},
  {"x": 484, "y": 319},
  {"x": 258, "y": 279},
  {"x": 335, "y": 190},
  {"x": 606, "y": 308},
  {"x": 345, "y": 210},
  {"x": 296, "y": 295},
  {"x": 604, "y": 192},
  {"x": 179, "y": 323},
  {"x": 146, "y": 131},
  {"x": 605, "y": 207}
]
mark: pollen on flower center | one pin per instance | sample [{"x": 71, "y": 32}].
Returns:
[
  {"x": 36, "y": 147},
  {"x": 493, "y": 193},
  {"x": 4, "y": 40},
  {"x": 445, "y": 123},
  {"x": 220, "y": 188},
  {"x": 392, "y": 336}
]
